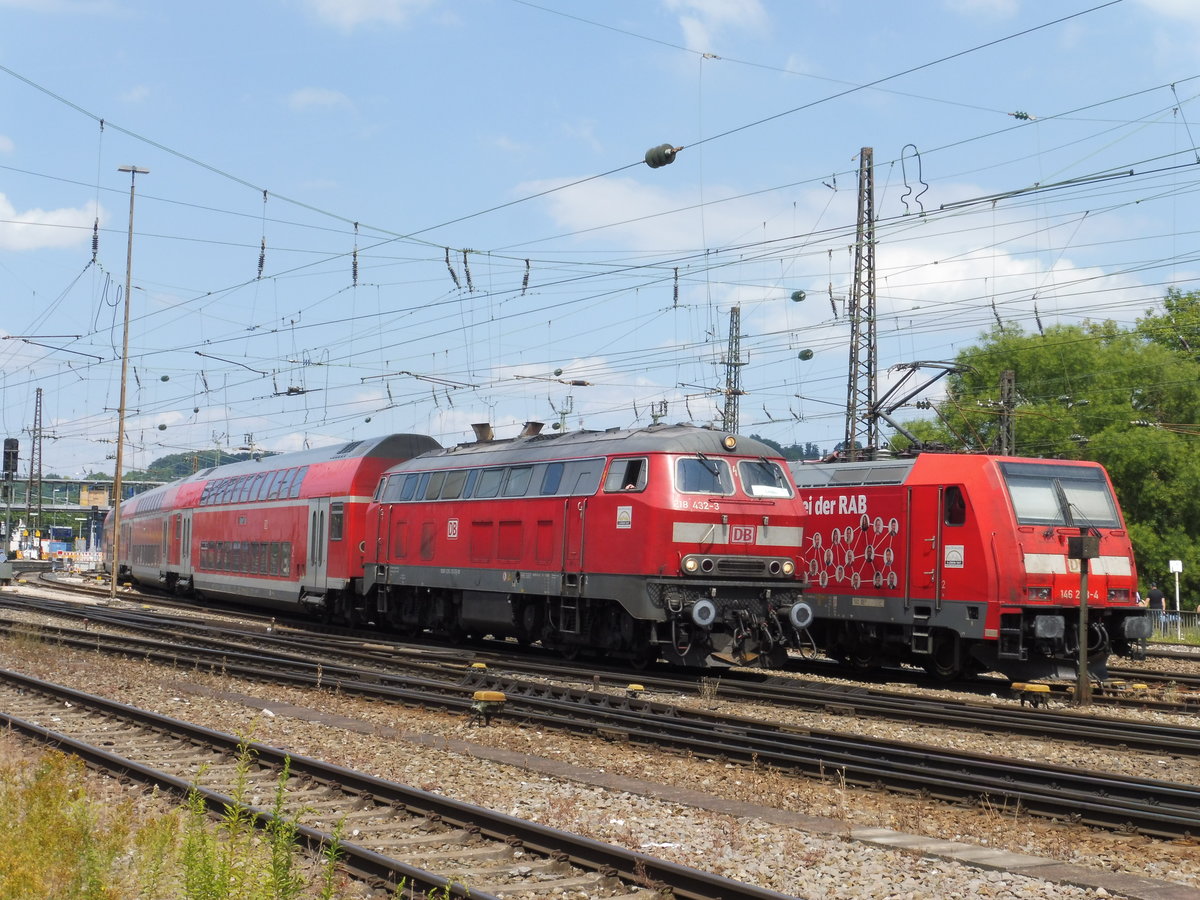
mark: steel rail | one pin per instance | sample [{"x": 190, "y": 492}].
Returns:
[
  {"x": 612, "y": 861},
  {"x": 1104, "y": 800}
]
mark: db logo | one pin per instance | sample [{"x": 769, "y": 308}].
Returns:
[
  {"x": 741, "y": 534},
  {"x": 452, "y": 529}
]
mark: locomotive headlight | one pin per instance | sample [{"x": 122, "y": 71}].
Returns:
[
  {"x": 729, "y": 442},
  {"x": 789, "y": 567},
  {"x": 1118, "y": 595},
  {"x": 690, "y": 564},
  {"x": 1038, "y": 593}
]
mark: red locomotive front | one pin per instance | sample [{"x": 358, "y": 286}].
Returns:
[
  {"x": 668, "y": 541},
  {"x": 960, "y": 563}
]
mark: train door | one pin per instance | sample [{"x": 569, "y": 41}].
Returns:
[
  {"x": 574, "y": 517},
  {"x": 318, "y": 544},
  {"x": 924, "y": 528},
  {"x": 185, "y": 541}
]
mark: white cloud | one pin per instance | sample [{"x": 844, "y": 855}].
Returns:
[
  {"x": 701, "y": 19},
  {"x": 348, "y": 14},
  {"x": 318, "y": 98},
  {"x": 35, "y": 229},
  {"x": 6, "y": 144},
  {"x": 1187, "y": 10}
]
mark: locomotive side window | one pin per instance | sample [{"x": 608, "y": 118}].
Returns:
[
  {"x": 956, "y": 506},
  {"x": 455, "y": 480},
  {"x": 408, "y": 486},
  {"x": 489, "y": 482},
  {"x": 551, "y": 479},
  {"x": 626, "y": 475},
  {"x": 434, "y": 486},
  {"x": 472, "y": 477},
  {"x": 762, "y": 478},
  {"x": 701, "y": 475},
  {"x": 1048, "y": 494},
  {"x": 518, "y": 481},
  {"x": 582, "y": 476}
]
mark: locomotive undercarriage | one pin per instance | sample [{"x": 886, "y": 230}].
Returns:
[
  {"x": 1033, "y": 643},
  {"x": 693, "y": 625}
]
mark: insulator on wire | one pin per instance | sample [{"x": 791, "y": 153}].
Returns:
[
  {"x": 95, "y": 238},
  {"x": 525, "y": 280},
  {"x": 467, "y": 272},
  {"x": 662, "y": 155},
  {"x": 262, "y": 256},
  {"x": 450, "y": 269},
  {"x": 676, "y": 302},
  {"x": 354, "y": 258}
]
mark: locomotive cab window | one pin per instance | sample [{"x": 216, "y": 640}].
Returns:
[
  {"x": 763, "y": 478},
  {"x": 1049, "y": 494},
  {"x": 701, "y": 475},
  {"x": 956, "y": 506},
  {"x": 626, "y": 475}
]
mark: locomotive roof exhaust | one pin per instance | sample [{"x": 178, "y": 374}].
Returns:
[
  {"x": 532, "y": 428},
  {"x": 483, "y": 432}
]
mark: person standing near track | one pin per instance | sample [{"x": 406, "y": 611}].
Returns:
[{"x": 1155, "y": 599}]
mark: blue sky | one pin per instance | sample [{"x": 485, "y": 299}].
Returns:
[{"x": 458, "y": 223}]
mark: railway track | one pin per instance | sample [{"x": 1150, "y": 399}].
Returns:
[
  {"x": 402, "y": 836},
  {"x": 1097, "y": 799},
  {"x": 750, "y": 687}
]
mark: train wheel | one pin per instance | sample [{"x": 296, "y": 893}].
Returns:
[
  {"x": 643, "y": 658},
  {"x": 945, "y": 663}
]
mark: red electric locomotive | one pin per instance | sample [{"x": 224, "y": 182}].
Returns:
[
  {"x": 960, "y": 563},
  {"x": 285, "y": 531},
  {"x": 670, "y": 541}
]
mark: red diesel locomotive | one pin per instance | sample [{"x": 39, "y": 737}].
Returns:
[
  {"x": 668, "y": 541},
  {"x": 960, "y": 563},
  {"x": 283, "y": 531}
]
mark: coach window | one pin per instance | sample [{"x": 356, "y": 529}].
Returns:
[
  {"x": 452, "y": 488},
  {"x": 518, "y": 481},
  {"x": 279, "y": 486},
  {"x": 247, "y": 483},
  {"x": 701, "y": 475},
  {"x": 256, "y": 486},
  {"x": 489, "y": 482},
  {"x": 298, "y": 480},
  {"x": 626, "y": 475},
  {"x": 336, "y": 518},
  {"x": 956, "y": 506}
]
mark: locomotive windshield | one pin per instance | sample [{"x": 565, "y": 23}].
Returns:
[
  {"x": 1048, "y": 494},
  {"x": 763, "y": 478},
  {"x": 701, "y": 475}
]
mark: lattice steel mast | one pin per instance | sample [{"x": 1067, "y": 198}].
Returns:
[
  {"x": 862, "y": 425},
  {"x": 733, "y": 372}
]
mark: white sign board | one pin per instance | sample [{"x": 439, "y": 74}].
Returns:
[{"x": 1176, "y": 565}]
